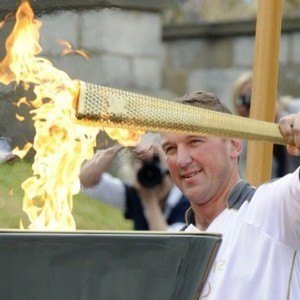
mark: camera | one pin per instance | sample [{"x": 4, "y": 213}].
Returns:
[{"x": 150, "y": 174}]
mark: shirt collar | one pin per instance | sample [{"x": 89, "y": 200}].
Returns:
[{"x": 242, "y": 191}]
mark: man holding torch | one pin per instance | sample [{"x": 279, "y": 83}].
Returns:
[{"x": 259, "y": 256}]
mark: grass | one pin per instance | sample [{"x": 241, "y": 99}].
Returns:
[{"x": 89, "y": 214}]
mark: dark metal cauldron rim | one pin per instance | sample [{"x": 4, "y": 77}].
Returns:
[
  {"x": 99, "y": 264},
  {"x": 106, "y": 232}
]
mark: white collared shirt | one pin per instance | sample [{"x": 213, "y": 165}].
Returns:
[{"x": 259, "y": 255}]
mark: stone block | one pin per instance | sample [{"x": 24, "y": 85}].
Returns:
[
  {"x": 175, "y": 79},
  {"x": 185, "y": 53},
  {"x": 243, "y": 51},
  {"x": 217, "y": 81},
  {"x": 284, "y": 50},
  {"x": 219, "y": 53},
  {"x": 295, "y": 46},
  {"x": 122, "y": 32},
  {"x": 146, "y": 73},
  {"x": 55, "y": 27},
  {"x": 106, "y": 70}
]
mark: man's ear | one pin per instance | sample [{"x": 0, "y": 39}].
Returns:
[{"x": 236, "y": 148}]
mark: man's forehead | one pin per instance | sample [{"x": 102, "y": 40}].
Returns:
[{"x": 169, "y": 137}]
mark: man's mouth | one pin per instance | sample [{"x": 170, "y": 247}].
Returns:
[{"x": 191, "y": 174}]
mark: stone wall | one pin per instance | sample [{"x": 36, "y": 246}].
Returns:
[
  {"x": 212, "y": 56},
  {"x": 124, "y": 47}
]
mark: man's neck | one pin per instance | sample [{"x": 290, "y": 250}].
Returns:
[{"x": 207, "y": 212}]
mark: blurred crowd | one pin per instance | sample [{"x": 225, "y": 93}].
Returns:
[{"x": 241, "y": 97}]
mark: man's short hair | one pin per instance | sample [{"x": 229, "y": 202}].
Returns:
[{"x": 204, "y": 100}]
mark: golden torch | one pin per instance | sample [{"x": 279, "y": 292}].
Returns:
[{"x": 107, "y": 107}]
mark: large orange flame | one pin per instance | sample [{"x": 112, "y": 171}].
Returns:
[{"x": 61, "y": 145}]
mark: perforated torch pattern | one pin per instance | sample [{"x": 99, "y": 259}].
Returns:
[{"x": 107, "y": 107}]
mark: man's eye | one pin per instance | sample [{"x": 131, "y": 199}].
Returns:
[
  {"x": 196, "y": 141},
  {"x": 169, "y": 150}
]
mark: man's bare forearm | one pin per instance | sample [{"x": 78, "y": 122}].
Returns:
[{"x": 92, "y": 170}]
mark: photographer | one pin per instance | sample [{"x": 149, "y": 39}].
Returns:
[{"x": 153, "y": 202}]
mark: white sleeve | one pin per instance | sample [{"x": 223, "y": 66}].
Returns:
[
  {"x": 110, "y": 190},
  {"x": 275, "y": 208}
]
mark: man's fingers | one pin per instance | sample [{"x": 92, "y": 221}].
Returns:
[
  {"x": 290, "y": 129},
  {"x": 146, "y": 151},
  {"x": 296, "y": 130},
  {"x": 293, "y": 150},
  {"x": 286, "y": 128}
]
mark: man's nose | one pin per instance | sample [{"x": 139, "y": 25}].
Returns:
[{"x": 183, "y": 157}]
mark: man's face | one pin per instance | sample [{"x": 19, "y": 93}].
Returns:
[{"x": 200, "y": 166}]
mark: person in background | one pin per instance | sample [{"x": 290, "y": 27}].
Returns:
[
  {"x": 241, "y": 96},
  {"x": 153, "y": 202},
  {"x": 259, "y": 254}
]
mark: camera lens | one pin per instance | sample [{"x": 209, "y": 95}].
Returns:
[{"x": 150, "y": 174}]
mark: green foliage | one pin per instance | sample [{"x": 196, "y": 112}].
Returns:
[{"x": 88, "y": 213}]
